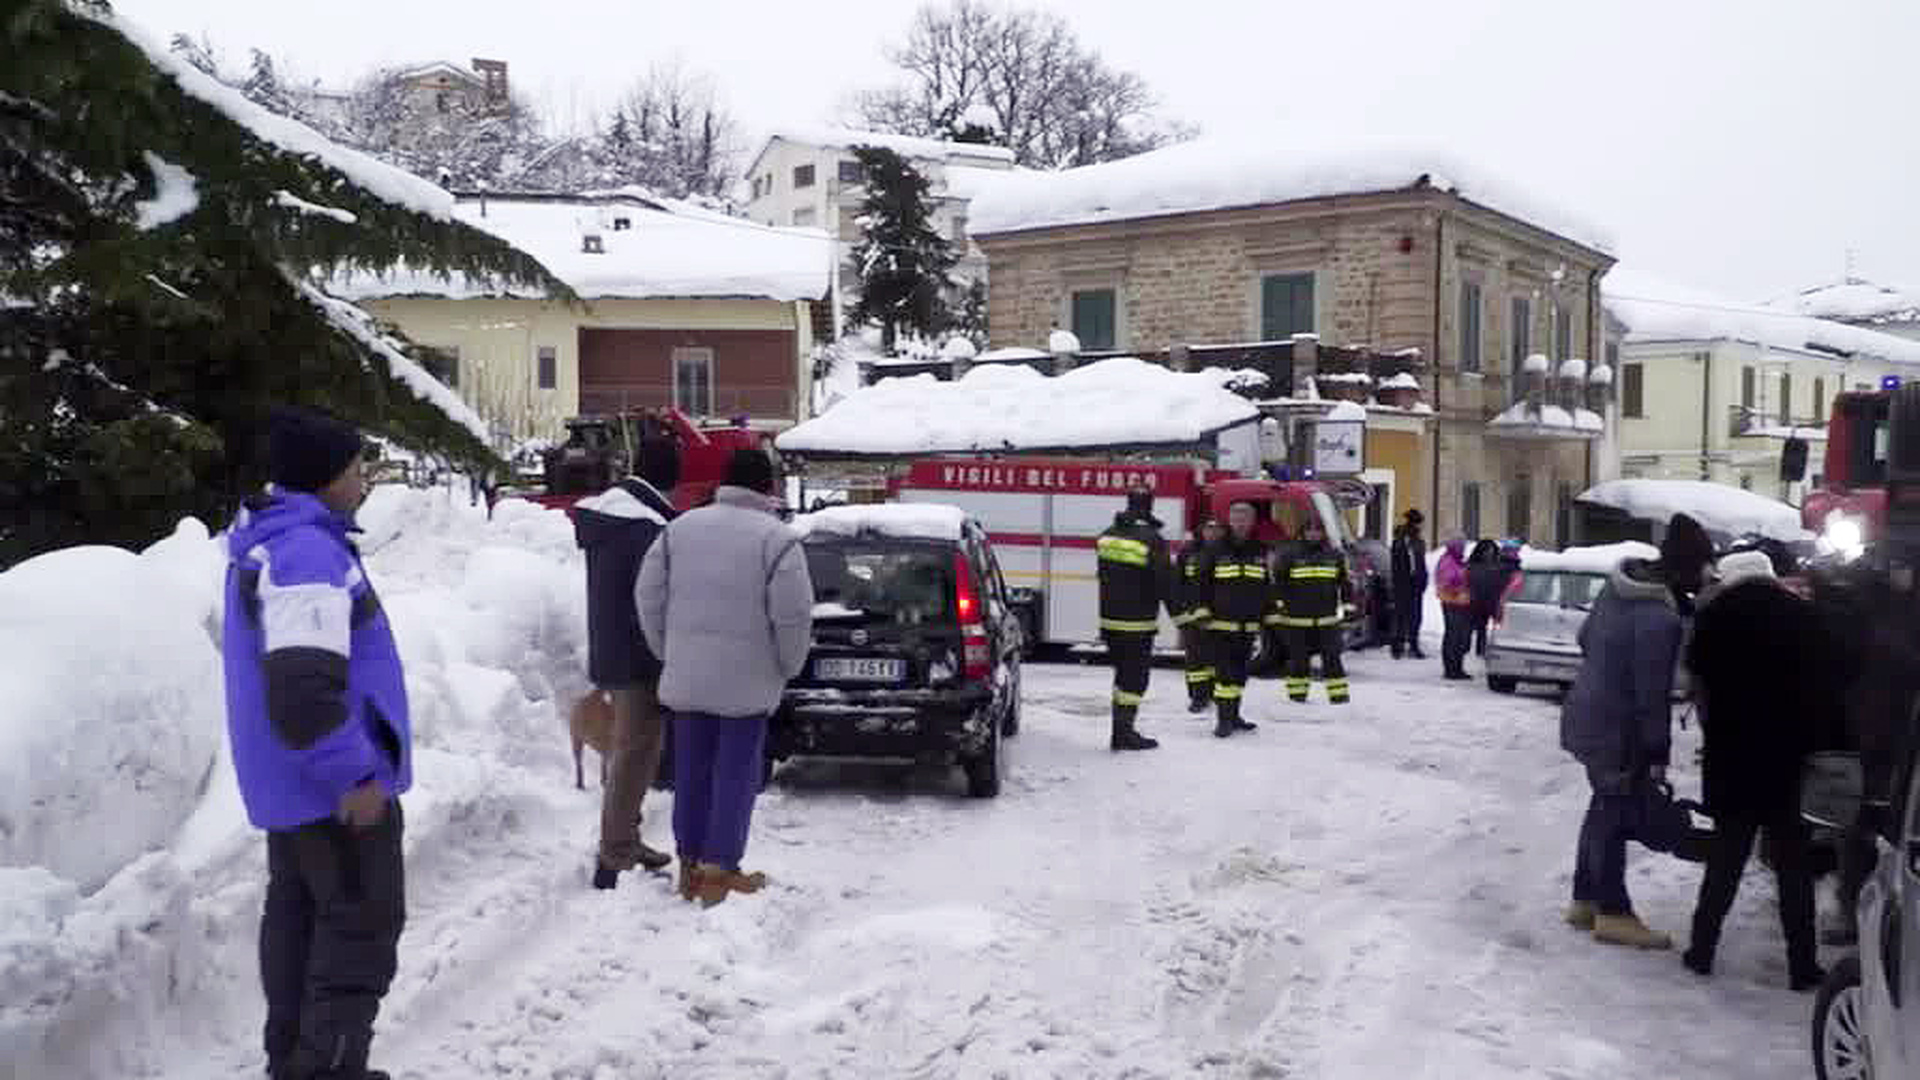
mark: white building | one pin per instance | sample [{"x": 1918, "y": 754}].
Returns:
[
  {"x": 808, "y": 177},
  {"x": 1710, "y": 389},
  {"x": 1859, "y": 303}
]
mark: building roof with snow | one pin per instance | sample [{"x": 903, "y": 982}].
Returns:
[
  {"x": 1655, "y": 310},
  {"x": 646, "y": 248},
  {"x": 977, "y": 155},
  {"x": 1854, "y": 301},
  {"x": 1220, "y": 174},
  {"x": 1719, "y": 508},
  {"x": 1122, "y": 402}
]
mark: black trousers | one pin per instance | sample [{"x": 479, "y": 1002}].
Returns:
[
  {"x": 1407, "y": 604},
  {"x": 329, "y": 937},
  {"x": 1727, "y": 858},
  {"x": 1459, "y": 638},
  {"x": 1197, "y": 643},
  {"x": 1232, "y": 653},
  {"x": 1302, "y": 643},
  {"x": 1132, "y": 657}
]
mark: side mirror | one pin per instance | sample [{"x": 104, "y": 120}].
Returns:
[
  {"x": 1833, "y": 789},
  {"x": 1793, "y": 460}
]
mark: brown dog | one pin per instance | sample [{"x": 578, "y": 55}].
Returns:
[{"x": 592, "y": 725}]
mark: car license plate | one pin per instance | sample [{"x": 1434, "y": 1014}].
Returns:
[{"x": 860, "y": 669}]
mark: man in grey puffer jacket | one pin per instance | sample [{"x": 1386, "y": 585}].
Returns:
[
  {"x": 1617, "y": 720},
  {"x": 726, "y": 603}
]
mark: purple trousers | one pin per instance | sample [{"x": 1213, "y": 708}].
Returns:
[{"x": 718, "y": 763}]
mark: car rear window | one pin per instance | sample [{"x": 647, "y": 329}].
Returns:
[
  {"x": 905, "y": 584},
  {"x": 1550, "y": 587}
]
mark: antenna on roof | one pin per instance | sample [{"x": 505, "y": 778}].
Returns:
[{"x": 1851, "y": 280}]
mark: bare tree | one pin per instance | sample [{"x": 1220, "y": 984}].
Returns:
[
  {"x": 672, "y": 133},
  {"x": 1057, "y": 104}
]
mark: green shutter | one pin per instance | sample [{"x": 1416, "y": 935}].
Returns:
[
  {"x": 1286, "y": 306},
  {"x": 1093, "y": 319}
]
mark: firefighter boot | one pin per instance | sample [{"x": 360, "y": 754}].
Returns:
[
  {"x": 1229, "y": 716},
  {"x": 1125, "y": 737}
]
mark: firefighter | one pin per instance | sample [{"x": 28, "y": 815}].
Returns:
[
  {"x": 1136, "y": 581},
  {"x": 1196, "y": 598},
  {"x": 1312, "y": 587},
  {"x": 1241, "y": 600}
]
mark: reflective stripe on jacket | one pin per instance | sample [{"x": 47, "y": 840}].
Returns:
[
  {"x": 1312, "y": 585},
  {"x": 1136, "y": 576},
  {"x": 1238, "y": 585}
]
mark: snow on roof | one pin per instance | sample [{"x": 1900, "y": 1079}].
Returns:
[
  {"x": 1063, "y": 341},
  {"x": 669, "y": 249},
  {"x": 1403, "y": 381},
  {"x": 1218, "y": 173},
  {"x": 905, "y": 145},
  {"x": 1346, "y": 410},
  {"x": 1655, "y": 310},
  {"x": 959, "y": 348},
  {"x": 920, "y": 521},
  {"x": 1536, "y": 362},
  {"x": 377, "y": 177},
  {"x": 1588, "y": 420},
  {"x": 1600, "y": 559},
  {"x": 439, "y": 67},
  {"x": 1718, "y": 507},
  {"x": 1854, "y": 300},
  {"x": 355, "y": 322},
  {"x": 1117, "y": 402}
]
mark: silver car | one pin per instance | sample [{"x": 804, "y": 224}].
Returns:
[
  {"x": 1538, "y": 637},
  {"x": 1866, "y": 1021}
]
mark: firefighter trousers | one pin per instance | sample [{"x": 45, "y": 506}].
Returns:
[
  {"x": 1232, "y": 652},
  {"x": 1132, "y": 657},
  {"x": 1200, "y": 674},
  {"x": 1302, "y": 643}
]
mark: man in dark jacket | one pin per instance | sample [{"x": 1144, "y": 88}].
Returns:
[
  {"x": 1312, "y": 585},
  {"x": 1757, "y": 732},
  {"x": 1136, "y": 581},
  {"x": 1409, "y": 557},
  {"x": 1617, "y": 721},
  {"x": 317, "y": 714},
  {"x": 1195, "y": 598},
  {"x": 1241, "y": 607},
  {"x": 616, "y": 528}
]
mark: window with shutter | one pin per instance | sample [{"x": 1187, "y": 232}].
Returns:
[
  {"x": 1470, "y": 326},
  {"x": 1633, "y": 388},
  {"x": 1286, "y": 306},
  {"x": 1095, "y": 319}
]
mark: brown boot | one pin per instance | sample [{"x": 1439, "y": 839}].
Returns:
[
  {"x": 1580, "y": 915},
  {"x": 709, "y": 885},
  {"x": 1628, "y": 930},
  {"x": 689, "y": 879}
]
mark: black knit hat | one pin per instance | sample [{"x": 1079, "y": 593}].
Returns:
[
  {"x": 307, "y": 449},
  {"x": 1140, "y": 501},
  {"x": 751, "y": 469},
  {"x": 659, "y": 463},
  {"x": 1686, "y": 549}
]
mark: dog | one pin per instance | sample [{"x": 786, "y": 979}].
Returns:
[{"x": 592, "y": 725}]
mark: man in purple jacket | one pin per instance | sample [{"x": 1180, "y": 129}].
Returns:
[{"x": 317, "y": 713}]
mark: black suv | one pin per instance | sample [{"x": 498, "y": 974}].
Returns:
[{"x": 916, "y": 650}]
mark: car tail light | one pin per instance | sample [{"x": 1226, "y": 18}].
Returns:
[{"x": 977, "y": 657}]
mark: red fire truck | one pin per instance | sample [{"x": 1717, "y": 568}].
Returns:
[
  {"x": 1044, "y": 516},
  {"x": 1849, "y": 510},
  {"x": 598, "y": 449}
]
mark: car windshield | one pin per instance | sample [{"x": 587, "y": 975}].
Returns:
[
  {"x": 906, "y": 584},
  {"x": 1558, "y": 588},
  {"x": 1332, "y": 520}
]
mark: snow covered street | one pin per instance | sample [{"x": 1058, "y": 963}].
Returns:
[{"x": 1366, "y": 892}]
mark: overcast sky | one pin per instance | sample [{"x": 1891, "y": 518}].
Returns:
[{"x": 1743, "y": 146}]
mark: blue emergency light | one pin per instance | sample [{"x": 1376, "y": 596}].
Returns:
[{"x": 1889, "y": 382}]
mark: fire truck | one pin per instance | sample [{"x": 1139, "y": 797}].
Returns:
[
  {"x": 1849, "y": 510},
  {"x": 598, "y": 452},
  {"x": 1044, "y": 516}
]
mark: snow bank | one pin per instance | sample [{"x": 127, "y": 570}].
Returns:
[
  {"x": 175, "y": 194},
  {"x": 1218, "y": 173},
  {"x": 113, "y": 705},
  {"x": 1117, "y": 402},
  {"x": 1717, "y": 507},
  {"x": 665, "y": 250},
  {"x": 1600, "y": 559},
  {"x": 928, "y": 521},
  {"x": 130, "y": 881},
  {"x": 1656, "y": 310}
]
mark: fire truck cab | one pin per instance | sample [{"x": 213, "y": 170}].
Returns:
[
  {"x": 1044, "y": 516},
  {"x": 597, "y": 452},
  {"x": 1849, "y": 509}
]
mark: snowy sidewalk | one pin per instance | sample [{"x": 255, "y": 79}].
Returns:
[{"x": 1370, "y": 892}]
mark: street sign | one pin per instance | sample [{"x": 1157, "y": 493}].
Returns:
[{"x": 1340, "y": 447}]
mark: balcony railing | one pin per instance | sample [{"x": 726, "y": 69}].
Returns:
[
  {"x": 1746, "y": 421},
  {"x": 761, "y": 401}
]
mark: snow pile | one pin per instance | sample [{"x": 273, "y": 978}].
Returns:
[
  {"x": 1600, "y": 559},
  {"x": 1220, "y": 173},
  {"x": 1521, "y": 414},
  {"x": 289, "y": 201},
  {"x": 1117, "y": 402},
  {"x": 1718, "y": 507},
  {"x": 132, "y": 885},
  {"x": 1588, "y": 420},
  {"x": 1063, "y": 341},
  {"x": 1536, "y": 364},
  {"x": 665, "y": 250},
  {"x": 381, "y": 180},
  {"x": 175, "y": 194},
  {"x": 1602, "y": 375},
  {"x": 1012, "y": 354},
  {"x": 1346, "y": 410},
  {"x": 1575, "y": 368},
  {"x": 905, "y": 145},
  {"x": 1854, "y": 301},
  {"x": 923, "y": 521},
  {"x": 959, "y": 348},
  {"x": 1655, "y": 310},
  {"x": 1403, "y": 381},
  {"x": 113, "y": 705}
]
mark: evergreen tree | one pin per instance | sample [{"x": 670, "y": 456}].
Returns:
[
  {"x": 263, "y": 86},
  {"x": 198, "y": 53},
  {"x": 970, "y": 317},
  {"x": 903, "y": 262},
  {"x": 156, "y": 292}
]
